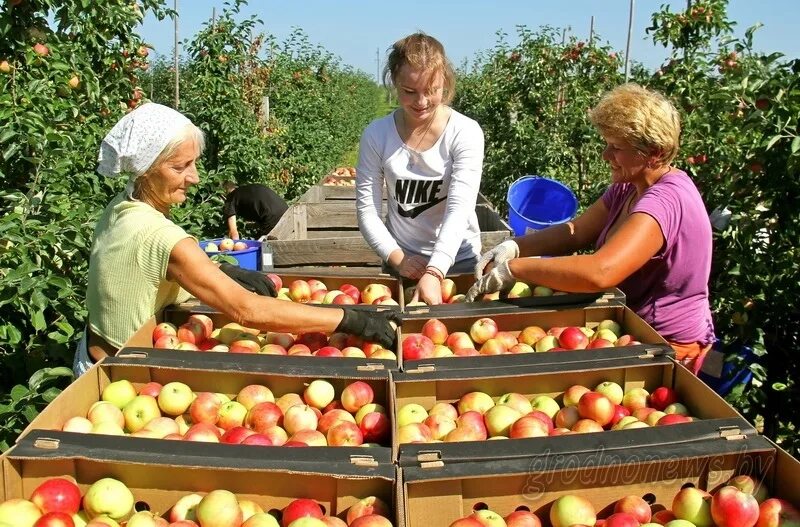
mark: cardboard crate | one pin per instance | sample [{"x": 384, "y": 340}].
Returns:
[
  {"x": 515, "y": 322},
  {"x": 158, "y": 477},
  {"x": 463, "y": 281},
  {"x": 440, "y": 492},
  {"x": 178, "y": 314},
  {"x": 327, "y": 234},
  {"x": 715, "y": 417},
  {"x": 207, "y": 374}
]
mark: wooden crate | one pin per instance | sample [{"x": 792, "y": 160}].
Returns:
[{"x": 327, "y": 234}]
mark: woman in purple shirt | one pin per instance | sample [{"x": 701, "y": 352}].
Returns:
[{"x": 650, "y": 230}]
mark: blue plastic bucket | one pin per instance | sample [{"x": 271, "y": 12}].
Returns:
[
  {"x": 536, "y": 202},
  {"x": 732, "y": 374},
  {"x": 249, "y": 258}
]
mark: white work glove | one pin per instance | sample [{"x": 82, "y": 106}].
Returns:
[
  {"x": 497, "y": 255},
  {"x": 498, "y": 279}
]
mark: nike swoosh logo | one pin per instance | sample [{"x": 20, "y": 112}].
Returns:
[{"x": 416, "y": 211}]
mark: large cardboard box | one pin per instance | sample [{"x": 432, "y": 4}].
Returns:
[
  {"x": 209, "y": 374},
  {"x": 714, "y": 416},
  {"x": 158, "y": 476},
  {"x": 327, "y": 234},
  {"x": 515, "y": 322},
  {"x": 439, "y": 492}
]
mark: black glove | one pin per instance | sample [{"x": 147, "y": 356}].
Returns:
[
  {"x": 250, "y": 280},
  {"x": 374, "y": 326}
]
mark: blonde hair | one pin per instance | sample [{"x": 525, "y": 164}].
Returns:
[
  {"x": 645, "y": 119},
  {"x": 189, "y": 133},
  {"x": 425, "y": 53}
]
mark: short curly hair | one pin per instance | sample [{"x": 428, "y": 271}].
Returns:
[
  {"x": 645, "y": 119},
  {"x": 423, "y": 52}
]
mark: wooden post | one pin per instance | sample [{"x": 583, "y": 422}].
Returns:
[
  {"x": 176, "y": 59},
  {"x": 628, "y": 45},
  {"x": 213, "y": 19},
  {"x": 265, "y": 111},
  {"x": 591, "y": 32}
]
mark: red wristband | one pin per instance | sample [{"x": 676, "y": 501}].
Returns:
[{"x": 436, "y": 273}]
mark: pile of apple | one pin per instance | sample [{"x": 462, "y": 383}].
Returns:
[
  {"x": 450, "y": 294},
  {"x": 226, "y": 245},
  {"x": 476, "y": 416},
  {"x": 198, "y": 334},
  {"x": 341, "y": 177},
  {"x": 108, "y": 502},
  {"x": 741, "y": 502},
  {"x": 485, "y": 338},
  {"x": 314, "y": 291},
  {"x": 253, "y": 417}
]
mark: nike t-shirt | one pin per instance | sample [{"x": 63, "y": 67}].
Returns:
[{"x": 431, "y": 194}]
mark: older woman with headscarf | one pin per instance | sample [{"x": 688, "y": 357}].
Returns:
[
  {"x": 650, "y": 230},
  {"x": 142, "y": 262}
]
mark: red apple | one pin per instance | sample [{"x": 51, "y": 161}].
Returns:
[
  {"x": 482, "y": 330},
  {"x": 672, "y": 419},
  {"x": 167, "y": 342},
  {"x": 236, "y": 435},
  {"x": 205, "y": 408},
  {"x": 300, "y": 508},
  {"x": 355, "y": 395},
  {"x": 573, "y": 394},
  {"x": 597, "y": 407},
  {"x": 372, "y": 520},
  {"x": 586, "y": 426},
  {"x": 345, "y": 434},
  {"x": 531, "y": 335},
  {"x": 314, "y": 340},
  {"x": 436, "y": 331},
  {"x": 730, "y": 507},
  {"x": 57, "y": 495},
  {"x": 635, "y": 506},
  {"x": 275, "y": 280},
  {"x": 351, "y": 291},
  {"x": 663, "y": 397},
  {"x": 573, "y": 338},
  {"x": 164, "y": 329},
  {"x": 528, "y": 426},
  {"x": 55, "y": 519},
  {"x": 459, "y": 340},
  {"x": 367, "y": 506},
  {"x": 621, "y": 519},
  {"x": 600, "y": 343},
  {"x": 775, "y": 512},
  {"x": 40, "y": 49},
  {"x": 522, "y": 518},
  {"x": 416, "y": 347},
  {"x": 257, "y": 439},
  {"x": 203, "y": 432},
  {"x": 375, "y": 427}
]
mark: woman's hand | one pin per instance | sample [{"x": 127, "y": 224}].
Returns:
[
  {"x": 250, "y": 280},
  {"x": 429, "y": 290},
  {"x": 411, "y": 267},
  {"x": 374, "y": 326},
  {"x": 496, "y": 256},
  {"x": 498, "y": 279}
]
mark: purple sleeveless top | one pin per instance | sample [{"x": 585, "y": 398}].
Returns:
[{"x": 670, "y": 292}]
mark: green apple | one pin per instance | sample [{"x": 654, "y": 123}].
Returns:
[
  {"x": 520, "y": 290},
  {"x": 140, "y": 411},
  {"x": 541, "y": 290},
  {"x": 19, "y": 512},
  {"x": 110, "y": 497},
  {"x": 261, "y": 519},
  {"x": 175, "y": 398},
  {"x": 611, "y": 325},
  {"x": 546, "y": 404},
  {"x": 119, "y": 393},
  {"x": 410, "y": 414},
  {"x": 605, "y": 333},
  {"x": 611, "y": 390}
]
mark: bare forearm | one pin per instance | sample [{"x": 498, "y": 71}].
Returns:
[
  {"x": 573, "y": 274},
  {"x": 271, "y": 314}
]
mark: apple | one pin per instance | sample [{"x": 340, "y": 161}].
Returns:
[
  {"x": 105, "y": 412},
  {"x": 161, "y": 427},
  {"x": 57, "y": 495},
  {"x": 40, "y": 49},
  {"x": 520, "y": 290},
  {"x": 475, "y": 401},
  {"x": 635, "y": 398},
  {"x": 231, "y": 414},
  {"x": 546, "y": 343},
  {"x": 436, "y": 331},
  {"x": 351, "y": 291},
  {"x": 414, "y": 433},
  {"x": 664, "y": 517},
  {"x": 474, "y": 421},
  {"x": 107, "y": 428},
  {"x": 164, "y": 329},
  {"x": 276, "y": 435},
  {"x": 145, "y": 519},
  {"x": 300, "y": 508},
  {"x": 77, "y": 424},
  {"x": 192, "y": 332},
  {"x": 151, "y": 388},
  {"x": 175, "y": 398},
  {"x": 411, "y": 413},
  {"x": 319, "y": 393},
  {"x": 566, "y": 417},
  {"x": 239, "y": 246},
  {"x": 730, "y": 507},
  {"x": 676, "y": 408},
  {"x": 493, "y": 347},
  {"x": 140, "y": 411},
  {"x": 219, "y": 508},
  {"x": 185, "y": 508},
  {"x": 365, "y": 507},
  {"x": 110, "y": 497},
  {"x": 522, "y": 518},
  {"x": 600, "y": 343},
  {"x": 469, "y": 521},
  {"x": 613, "y": 391},
  {"x": 482, "y": 330},
  {"x": 18, "y": 512},
  {"x": 439, "y": 425},
  {"x": 313, "y": 339},
  {"x": 517, "y": 401},
  {"x": 626, "y": 340},
  {"x": 372, "y": 520},
  {"x": 356, "y": 395},
  {"x": 531, "y": 335},
  {"x": 212, "y": 247},
  {"x": 263, "y": 416},
  {"x": 167, "y": 342},
  {"x": 663, "y": 397},
  {"x": 488, "y": 518},
  {"x": 5, "y": 67},
  {"x": 521, "y": 348},
  {"x": 499, "y": 419},
  {"x": 375, "y": 427},
  {"x": 373, "y": 292},
  {"x": 416, "y": 347},
  {"x": 244, "y": 346},
  {"x": 597, "y": 407},
  {"x": 572, "y": 510},
  {"x": 119, "y": 393},
  {"x": 750, "y": 486},
  {"x": 528, "y": 426},
  {"x": 610, "y": 325},
  {"x": 226, "y": 244},
  {"x": 345, "y": 434},
  {"x": 333, "y": 417},
  {"x": 775, "y": 512},
  {"x": 459, "y": 339},
  {"x": 693, "y": 505},
  {"x": 203, "y": 432},
  {"x": 573, "y": 338},
  {"x": 204, "y": 321},
  {"x": 586, "y": 426},
  {"x": 300, "y": 291},
  {"x": 205, "y": 408},
  {"x": 621, "y": 519},
  {"x": 573, "y": 394},
  {"x": 276, "y": 280},
  {"x": 619, "y": 413},
  {"x": 546, "y": 404},
  {"x": 300, "y": 417},
  {"x": 261, "y": 519},
  {"x": 444, "y": 409},
  {"x": 287, "y": 400},
  {"x": 284, "y": 340},
  {"x": 635, "y": 506},
  {"x": 249, "y": 508},
  {"x": 252, "y": 394}
]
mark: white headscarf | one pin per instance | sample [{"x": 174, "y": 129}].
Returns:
[{"x": 136, "y": 141}]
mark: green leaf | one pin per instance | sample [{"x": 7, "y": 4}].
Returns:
[
  {"x": 773, "y": 140},
  {"x": 38, "y": 321},
  {"x": 795, "y": 144},
  {"x": 779, "y": 386},
  {"x": 18, "y": 392},
  {"x": 50, "y": 394}
]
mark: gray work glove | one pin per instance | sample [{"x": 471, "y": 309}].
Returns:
[
  {"x": 497, "y": 255},
  {"x": 498, "y": 279}
]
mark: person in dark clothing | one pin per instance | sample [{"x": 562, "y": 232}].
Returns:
[{"x": 253, "y": 202}]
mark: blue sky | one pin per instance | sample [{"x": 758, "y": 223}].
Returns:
[{"x": 358, "y": 30}]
